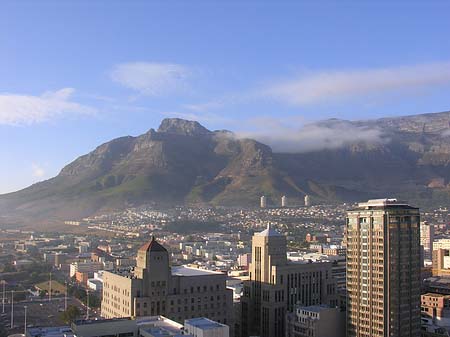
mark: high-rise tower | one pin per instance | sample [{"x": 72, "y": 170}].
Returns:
[
  {"x": 284, "y": 202},
  {"x": 383, "y": 270},
  {"x": 277, "y": 285},
  {"x": 307, "y": 200},
  {"x": 426, "y": 239},
  {"x": 263, "y": 202}
]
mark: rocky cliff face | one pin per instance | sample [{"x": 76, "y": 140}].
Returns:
[{"x": 183, "y": 162}]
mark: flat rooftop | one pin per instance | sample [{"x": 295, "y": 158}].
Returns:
[
  {"x": 383, "y": 203},
  {"x": 315, "y": 308},
  {"x": 159, "y": 325},
  {"x": 203, "y": 323},
  {"x": 58, "y": 331},
  {"x": 99, "y": 321},
  {"x": 435, "y": 295},
  {"x": 188, "y": 271}
]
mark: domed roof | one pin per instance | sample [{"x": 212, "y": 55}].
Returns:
[{"x": 152, "y": 246}]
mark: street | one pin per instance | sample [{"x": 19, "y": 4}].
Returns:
[{"x": 40, "y": 312}]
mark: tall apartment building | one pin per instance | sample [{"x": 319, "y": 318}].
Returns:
[
  {"x": 277, "y": 285},
  {"x": 426, "y": 239},
  {"x": 155, "y": 288},
  {"x": 307, "y": 200},
  {"x": 383, "y": 270},
  {"x": 263, "y": 202}
]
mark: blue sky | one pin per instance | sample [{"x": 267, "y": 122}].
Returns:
[{"x": 74, "y": 74}]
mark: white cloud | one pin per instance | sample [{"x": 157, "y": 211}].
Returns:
[
  {"x": 337, "y": 85},
  {"x": 332, "y": 134},
  {"x": 37, "y": 170},
  {"x": 204, "y": 107},
  {"x": 152, "y": 79},
  {"x": 26, "y": 109}
]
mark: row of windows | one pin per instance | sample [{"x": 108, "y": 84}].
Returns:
[{"x": 199, "y": 289}]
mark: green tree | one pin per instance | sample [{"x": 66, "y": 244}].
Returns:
[
  {"x": 71, "y": 314},
  {"x": 42, "y": 293},
  {"x": 9, "y": 268},
  {"x": 94, "y": 301}
]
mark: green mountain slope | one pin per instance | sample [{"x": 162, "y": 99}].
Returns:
[{"x": 184, "y": 163}]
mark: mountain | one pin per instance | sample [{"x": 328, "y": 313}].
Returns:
[{"x": 184, "y": 163}]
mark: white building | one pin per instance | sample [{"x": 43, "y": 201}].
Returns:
[
  {"x": 204, "y": 327},
  {"x": 263, "y": 202},
  {"x": 441, "y": 244},
  {"x": 307, "y": 200},
  {"x": 85, "y": 267},
  {"x": 95, "y": 284},
  {"x": 284, "y": 201},
  {"x": 22, "y": 263}
]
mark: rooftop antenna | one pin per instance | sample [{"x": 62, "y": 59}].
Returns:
[
  {"x": 65, "y": 298},
  {"x": 50, "y": 290},
  {"x": 87, "y": 304},
  {"x": 12, "y": 309},
  {"x": 25, "y": 321}
]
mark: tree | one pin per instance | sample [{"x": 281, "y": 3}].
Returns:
[
  {"x": 94, "y": 301},
  {"x": 3, "y": 332},
  {"x": 9, "y": 268},
  {"x": 20, "y": 296},
  {"x": 71, "y": 314},
  {"x": 42, "y": 293}
]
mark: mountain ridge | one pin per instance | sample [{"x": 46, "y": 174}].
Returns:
[{"x": 182, "y": 162}]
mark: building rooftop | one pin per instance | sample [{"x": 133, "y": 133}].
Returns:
[
  {"x": 152, "y": 246},
  {"x": 188, "y": 271},
  {"x": 159, "y": 326},
  {"x": 58, "y": 331},
  {"x": 315, "y": 308},
  {"x": 268, "y": 232},
  {"x": 160, "y": 332},
  {"x": 99, "y": 321},
  {"x": 383, "y": 203},
  {"x": 203, "y": 323},
  {"x": 436, "y": 295}
]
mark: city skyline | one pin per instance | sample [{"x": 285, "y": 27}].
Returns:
[
  {"x": 68, "y": 87},
  {"x": 253, "y": 168}
]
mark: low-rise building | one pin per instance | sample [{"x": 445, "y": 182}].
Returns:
[
  {"x": 155, "y": 288},
  {"x": 437, "y": 307},
  {"x": 154, "y": 326},
  {"x": 430, "y": 329},
  {"x": 95, "y": 284},
  {"x": 204, "y": 327},
  {"x": 315, "y": 321},
  {"x": 85, "y": 267}
]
